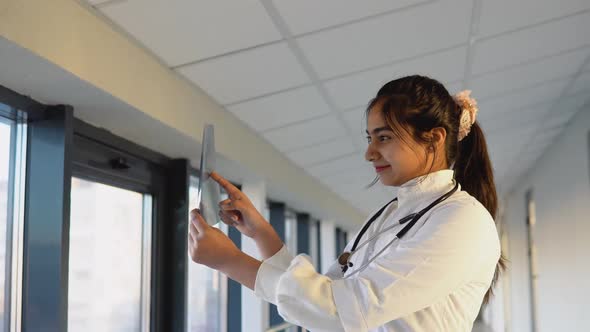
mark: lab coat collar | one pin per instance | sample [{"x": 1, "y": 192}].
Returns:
[{"x": 425, "y": 187}]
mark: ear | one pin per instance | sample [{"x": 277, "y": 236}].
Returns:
[{"x": 438, "y": 135}]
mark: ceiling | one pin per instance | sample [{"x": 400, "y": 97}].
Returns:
[{"x": 300, "y": 73}]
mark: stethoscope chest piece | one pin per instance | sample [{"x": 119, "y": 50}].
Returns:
[{"x": 344, "y": 262}]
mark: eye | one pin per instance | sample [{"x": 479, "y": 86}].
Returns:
[
  {"x": 384, "y": 138},
  {"x": 368, "y": 139}
]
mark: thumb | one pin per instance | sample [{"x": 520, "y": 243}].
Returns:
[{"x": 198, "y": 220}]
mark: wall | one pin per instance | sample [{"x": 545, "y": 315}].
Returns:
[{"x": 561, "y": 189}]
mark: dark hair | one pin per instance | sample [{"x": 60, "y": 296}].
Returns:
[{"x": 417, "y": 104}]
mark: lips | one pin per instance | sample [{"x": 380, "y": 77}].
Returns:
[{"x": 379, "y": 169}]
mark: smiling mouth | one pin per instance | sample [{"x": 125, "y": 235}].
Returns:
[{"x": 381, "y": 168}]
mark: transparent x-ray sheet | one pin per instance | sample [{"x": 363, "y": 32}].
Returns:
[{"x": 209, "y": 194}]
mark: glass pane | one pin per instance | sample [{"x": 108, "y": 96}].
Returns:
[
  {"x": 291, "y": 231},
  {"x": 205, "y": 295},
  {"x": 5, "y": 144},
  {"x": 105, "y": 267}
]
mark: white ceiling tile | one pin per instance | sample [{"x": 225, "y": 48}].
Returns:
[
  {"x": 388, "y": 38},
  {"x": 345, "y": 163},
  {"x": 360, "y": 141},
  {"x": 572, "y": 102},
  {"x": 354, "y": 180},
  {"x": 533, "y": 43},
  {"x": 247, "y": 74},
  {"x": 516, "y": 119},
  {"x": 547, "y": 135},
  {"x": 454, "y": 88},
  {"x": 544, "y": 138},
  {"x": 280, "y": 109},
  {"x": 521, "y": 99},
  {"x": 510, "y": 141},
  {"x": 356, "y": 120},
  {"x": 356, "y": 90},
  {"x": 564, "y": 110},
  {"x": 537, "y": 148},
  {"x": 181, "y": 31},
  {"x": 557, "y": 121},
  {"x": 321, "y": 152},
  {"x": 582, "y": 83},
  {"x": 361, "y": 175},
  {"x": 305, "y": 134},
  {"x": 304, "y": 16},
  {"x": 504, "y": 81},
  {"x": 504, "y": 15}
]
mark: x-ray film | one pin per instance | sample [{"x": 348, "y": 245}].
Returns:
[{"x": 209, "y": 193}]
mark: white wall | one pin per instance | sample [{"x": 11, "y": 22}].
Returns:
[
  {"x": 328, "y": 242},
  {"x": 561, "y": 190}
]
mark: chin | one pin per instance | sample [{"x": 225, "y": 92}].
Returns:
[{"x": 387, "y": 181}]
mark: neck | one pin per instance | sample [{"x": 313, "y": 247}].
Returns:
[{"x": 435, "y": 168}]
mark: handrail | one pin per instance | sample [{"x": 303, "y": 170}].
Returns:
[{"x": 280, "y": 327}]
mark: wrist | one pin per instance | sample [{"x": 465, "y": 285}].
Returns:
[
  {"x": 268, "y": 241},
  {"x": 263, "y": 229}
]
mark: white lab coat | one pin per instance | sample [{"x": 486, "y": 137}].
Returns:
[{"x": 434, "y": 279}]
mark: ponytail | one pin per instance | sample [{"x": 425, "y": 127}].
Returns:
[{"x": 473, "y": 170}]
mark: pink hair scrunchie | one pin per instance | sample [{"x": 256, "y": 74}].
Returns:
[{"x": 469, "y": 110}]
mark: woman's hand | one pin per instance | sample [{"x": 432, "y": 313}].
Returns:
[
  {"x": 209, "y": 246},
  {"x": 238, "y": 210}
]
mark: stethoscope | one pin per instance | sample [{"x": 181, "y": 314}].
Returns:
[{"x": 344, "y": 258}]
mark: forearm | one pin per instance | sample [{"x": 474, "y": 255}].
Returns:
[
  {"x": 268, "y": 241},
  {"x": 243, "y": 269}
]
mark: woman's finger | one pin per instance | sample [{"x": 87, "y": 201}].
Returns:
[
  {"x": 192, "y": 231},
  {"x": 233, "y": 206},
  {"x": 229, "y": 188},
  {"x": 226, "y": 219},
  {"x": 191, "y": 241},
  {"x": 197, "y": 220},
  {"x": 226, "y": 204},
  {"x": 231, "y": 216}
]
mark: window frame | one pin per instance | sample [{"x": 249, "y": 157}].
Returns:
[
  {"x": 100, "y": 156},
  {"x": 51, "y": 136}
]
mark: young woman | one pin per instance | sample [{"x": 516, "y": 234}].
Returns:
[{"x": 424, "y": 262}]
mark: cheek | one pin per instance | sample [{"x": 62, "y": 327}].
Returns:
[{"x": 401, "y": 159}]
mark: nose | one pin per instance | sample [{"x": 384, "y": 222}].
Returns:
[{"x": 370, "y": 154}]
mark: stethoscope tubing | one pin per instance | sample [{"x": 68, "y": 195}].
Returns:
[{"x": 398, "y": 236}]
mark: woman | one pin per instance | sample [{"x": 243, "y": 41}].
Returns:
[{"x": 424, "y": 262}]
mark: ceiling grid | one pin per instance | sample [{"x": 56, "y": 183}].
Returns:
[{"x": 300, "y": 73}]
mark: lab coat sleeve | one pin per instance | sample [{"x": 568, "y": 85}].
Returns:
[{"x": 443, "y": 254}]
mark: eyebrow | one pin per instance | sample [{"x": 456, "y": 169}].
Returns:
[{"x": 376, "y": 130}]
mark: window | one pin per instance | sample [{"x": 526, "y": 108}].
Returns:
[
  {"x": 207, "y": 288},
  {"x": 5, "y": 161},
  {"x": 12, "y": 161},
  {"x": 109, "y": 242}
]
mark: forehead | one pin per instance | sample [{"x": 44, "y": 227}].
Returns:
[{"x": 375, "y": 118}]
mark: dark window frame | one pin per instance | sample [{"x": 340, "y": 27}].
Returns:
[{"x": 60, "y": 146}]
